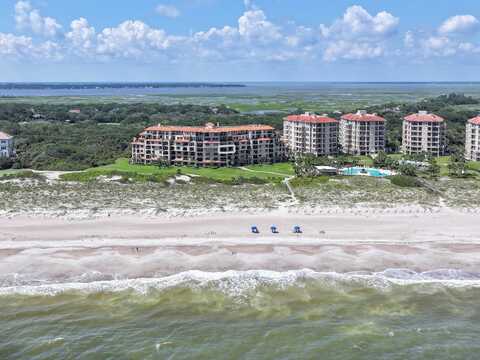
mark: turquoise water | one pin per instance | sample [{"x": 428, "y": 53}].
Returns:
[
  {"x": 365, "y": 171},
  {"x": 246, "y": 315}
]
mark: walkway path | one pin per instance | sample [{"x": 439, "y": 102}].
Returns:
[{"x": 286, "y": 181}]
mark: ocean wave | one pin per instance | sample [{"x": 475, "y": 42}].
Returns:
[{"x": 236, "y": 283}]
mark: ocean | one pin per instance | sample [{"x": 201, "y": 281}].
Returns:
[
  {"x": 396, "y": 314},
  {"x": 257, "y": 314}
]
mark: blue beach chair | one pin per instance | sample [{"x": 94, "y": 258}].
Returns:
[
  {"x": 255, "y": 230},
  {"x": 274, "y": 229},
  {"x": 297, "y": 229}
]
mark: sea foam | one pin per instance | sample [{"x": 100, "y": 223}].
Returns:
[{"x": 236, "y": 283}]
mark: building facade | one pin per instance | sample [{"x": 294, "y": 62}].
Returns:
[
  {"x": 310, "y": 134},
  {"x": 472, "y": 139},
  {"x": 424, "y": 133},
  {"x": 6, "y": 145},
  {"x": 362, "y": 133},
  {"x": 207, "y": 146}
]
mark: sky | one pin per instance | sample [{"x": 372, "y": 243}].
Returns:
[{"x": 239, "y": 40}]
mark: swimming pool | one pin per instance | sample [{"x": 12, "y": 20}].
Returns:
[{"x": 366, "y": 171}]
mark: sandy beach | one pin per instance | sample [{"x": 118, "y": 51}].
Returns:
[{"x": 127, "y": 246}]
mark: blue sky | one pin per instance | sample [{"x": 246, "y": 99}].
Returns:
[{"x": 240, "y": 40}]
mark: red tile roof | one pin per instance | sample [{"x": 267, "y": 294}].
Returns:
[
  {"x": 311, "y": 119},
  {"x": 422, "y": 117},
  {"x": 363, "y": 117},
  {"x": 4, "y": 136},
  {"x": 475, "y": 120},
  {"x": 205, "y": 129}
]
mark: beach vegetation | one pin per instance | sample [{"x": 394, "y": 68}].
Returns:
[
  {"x": 126, "y": 171},
  {"x": 433, "y": 169},
  {"x": 457, "y": 165},
  {"x": 21, "y": 175},
  {"x": 309, "y": 181},
  {"x": 405, "y": 181},
  {"x": 408, "y": 170}
]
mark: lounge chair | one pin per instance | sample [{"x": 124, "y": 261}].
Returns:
[
  {"x": 297, "y": 229},
  {"x": 274, "y": 229},
  {"x": 255, "y": 230}
]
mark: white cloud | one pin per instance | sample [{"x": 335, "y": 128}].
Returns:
[
  {"x": 460, "y": 24},
  {"x": 303, "y": 36},
  {"x": 438, "y": 45},
  {"x": 358, "y": 35},
  {"x": 255, "y": 39},
  {"x": 15, "y": 46},
  {"x": 445, "y": 42},
  {"x": 132, "y": 39},
  {"x": 253, "y": 25},
  {"x": 409, "y": 39},
  {"x": 224, "y": 37},
  {"x": 168, "y": 11},
  {"x": 82, "y": 37},
  {"x": 22, "y": 47},
  {"x": 443, "y": 46},
  {"x": 347, "y": 50},
  {"x": 357, "y": 22},
  {"x": 28, "y": 18}
]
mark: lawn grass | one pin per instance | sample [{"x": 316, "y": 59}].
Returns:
[
  {"x": 284, "y": 168},
  {"x": 397, "y": 156},
  {"x": 20, "y": 174},
  {"x": 443, "y": 162},
  {"x": 473, "y": 165},
  {"x": 8, "y": 171},
  {"x": 11, "y": 171},
  {"x": 268, "y": 173}
]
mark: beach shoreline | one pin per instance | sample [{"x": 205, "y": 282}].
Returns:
[{"x": 60, "y": 249}]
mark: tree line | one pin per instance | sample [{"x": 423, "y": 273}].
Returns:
[{"x": 76, "y": 137}]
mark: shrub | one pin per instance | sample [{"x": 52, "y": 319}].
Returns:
[
  {"x": 408, "y": 170},
  {"x": 405, "y": 181},
  {"x": 23, "y": 175},
  {"x": 5, "y": 163},
  {"x": 309, "y": 181}
]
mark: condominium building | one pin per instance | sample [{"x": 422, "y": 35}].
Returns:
[
  {"x": 472, "y": 139},
  {"x": 310, "y": 134},
  {"x": 424, "y": 133},
  {"x": 209, "y": 145},
  {"x": 6, "y": 145},
  {"x": 362, "y": 133}
]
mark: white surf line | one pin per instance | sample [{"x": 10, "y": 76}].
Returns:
[{"x": 237, "y": 281}]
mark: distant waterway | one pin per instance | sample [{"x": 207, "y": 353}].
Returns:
[{"x": 287, "y": 90}]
